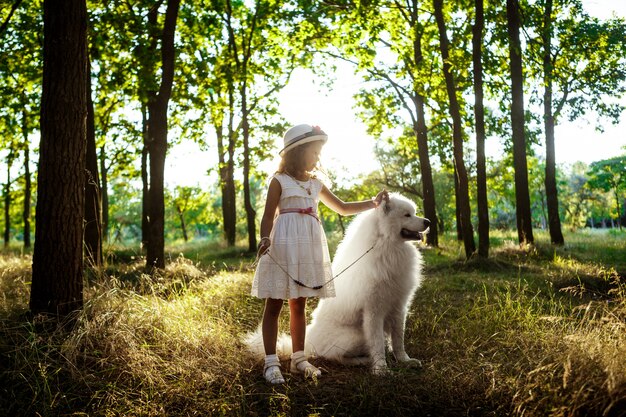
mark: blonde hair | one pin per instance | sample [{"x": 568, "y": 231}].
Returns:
[{"x": 292, "y": 160}]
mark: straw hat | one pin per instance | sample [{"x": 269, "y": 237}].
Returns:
[{"x": 301, "y": 134}]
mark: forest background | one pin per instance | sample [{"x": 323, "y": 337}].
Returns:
[{"x": 207, "y": 157}]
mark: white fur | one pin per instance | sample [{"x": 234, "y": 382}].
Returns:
[{"x": 373, "y": 295}]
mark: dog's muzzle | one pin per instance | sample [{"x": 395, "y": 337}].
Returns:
[{"x": 412, "y": 234}]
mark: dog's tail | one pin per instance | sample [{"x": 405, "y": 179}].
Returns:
[{"x": 254, "y": 343}]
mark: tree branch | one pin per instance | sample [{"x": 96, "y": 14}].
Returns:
[{"x": 5, "y": 24}]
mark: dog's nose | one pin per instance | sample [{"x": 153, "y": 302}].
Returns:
[{"x": 426, "y": 222}]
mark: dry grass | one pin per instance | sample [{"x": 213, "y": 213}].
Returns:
[{"x": 530, "y": 332}]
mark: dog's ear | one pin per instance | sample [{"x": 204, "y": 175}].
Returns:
[{"x": 386, "y": 206}]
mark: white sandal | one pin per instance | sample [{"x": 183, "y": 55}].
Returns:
[
  {"x": 299, "y": 365},
  {"x": 271, "y": 372}
]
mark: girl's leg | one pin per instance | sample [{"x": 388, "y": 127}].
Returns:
[
  {"x": 297, "y": 324},
  {"x": 269, "y": 325}
]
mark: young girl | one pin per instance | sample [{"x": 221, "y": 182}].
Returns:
[{"x": 297, "y": 265}]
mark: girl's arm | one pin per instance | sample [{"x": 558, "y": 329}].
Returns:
[
  {"x": 352, "y": 207},
  {"x": 267, "y": 222}
]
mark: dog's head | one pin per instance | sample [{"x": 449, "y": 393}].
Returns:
[{"x": 399, "y": 221}]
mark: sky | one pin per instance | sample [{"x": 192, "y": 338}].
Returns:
[{"x": 349, "y": 150}]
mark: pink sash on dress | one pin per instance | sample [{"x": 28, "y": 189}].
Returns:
[{"x": 308, "y": 210}]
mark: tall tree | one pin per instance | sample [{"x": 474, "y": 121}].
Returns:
[
  {"x": 157, "y": 138},
  {"x": 554, "y": 220},
  {"x": 7, "y": 197},
  {"x": 420, "y": 128},
  {"x": 252, "y": 48},
  {"x": 27, "y": 182},
  {"x": 57, "y": 279},
  {"x": 522, "y": 195},
  {"x": 208, "y": 67},
  {"x": 566, "y": 34},
  {"x": 463, "y": 202},
  {"x": 124, "y": 85},
  {"x": 117, "y": 90},
  {"x": 400, "y": 33},
  {"x": 20, "y": 87},
  {"x": 479, "y": 126},
  {"x": 223, "y": 119},
  {"x": 236, "y": 70},
  {"x": 145, "y": 180},
  {"x": 93, "y": 211},
  {"x": 241, "y": 53}
]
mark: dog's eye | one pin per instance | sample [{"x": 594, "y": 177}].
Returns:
[{"x": 407, "y": 215}]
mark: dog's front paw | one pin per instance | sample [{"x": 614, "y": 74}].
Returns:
[
  {"x": 407, "y": 361},
  {"x": 411, "y": 363},
  {"x": 379, "y": 367}
]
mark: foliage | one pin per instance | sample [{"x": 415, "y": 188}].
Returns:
[
  {"x": 581, "y": 205},
  {"x": 376, "y": 36},
  {"x": 118, "y": 89},
  {"x": 529, "y": 332},
  {"x": 17, "y": 207},
  {"x": 610, "y": 175},
  {"x": 125, "y": 208},
  {"x": 21, "y": 44},
  {"x": 598, "y": 49},
  {"x": 200, "y": 210}
]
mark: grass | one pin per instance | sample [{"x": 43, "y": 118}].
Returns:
[{"x": 529, "y": 332}]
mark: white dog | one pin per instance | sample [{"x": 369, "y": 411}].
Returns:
[{"x": 375, "y": 293}]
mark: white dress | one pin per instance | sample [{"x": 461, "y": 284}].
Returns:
[{"x": 299, "y": 251}]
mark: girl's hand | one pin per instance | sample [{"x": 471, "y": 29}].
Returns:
[
  {"x": 382, "y": 195},
  {"x": 264, "y": 245}
]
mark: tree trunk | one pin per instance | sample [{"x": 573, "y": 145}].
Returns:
[
  {"x": 227, "y": 187},
  {"x": 157, "y": 141},
  {"x": 554, "y": 220},
  {"x": 421, "y": 133},
  {"x": 479, "y": 116},
  {"x": 250, "y": 212},
  {"x": 463, "y": 202},
  {"x": 27, "y": 194},
  {"x": 93, "y": 213},
  {"x": 27, "y": 179},
  {"x": 428, "y": 187},
  {"x": 145, "y": 195},
  {"x": 457, "y": 207},
  {"x": 183, "y": 227},
  {"x": 7, "y": 201},
  {"x": 230, "y": 197},
  {"x": 230, "y": 200},
  {"x": 57, "y": 278},
  {"x": 618, "y": 208},
  {"x": 104, "y": 190},
  {"x": 225, "y": 154},
  {"x": 155, "y": 256},
  {"x": 522, "y": 195}
]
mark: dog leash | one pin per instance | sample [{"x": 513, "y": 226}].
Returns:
[{"x": 300, "y": 283}]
